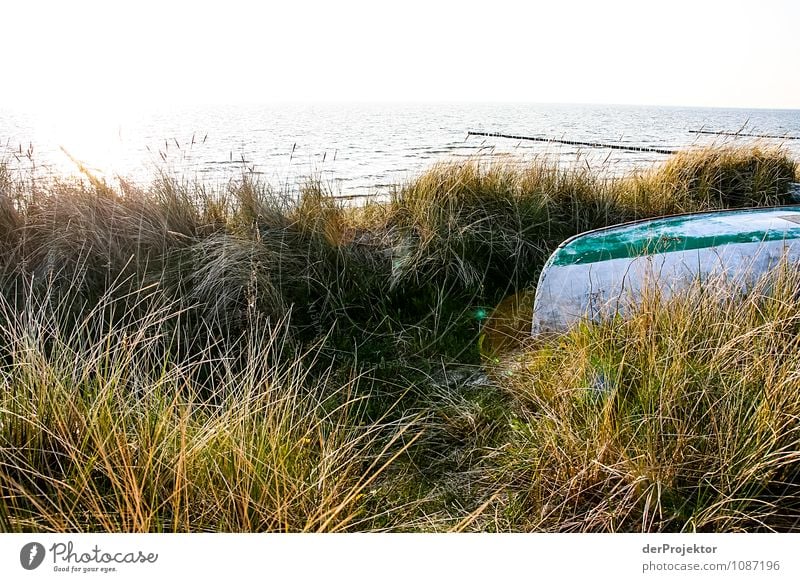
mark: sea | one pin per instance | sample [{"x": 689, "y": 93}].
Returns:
[{"x": 364, "y": 149}]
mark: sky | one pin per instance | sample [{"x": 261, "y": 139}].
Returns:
[{"x": 126, "y": 53}]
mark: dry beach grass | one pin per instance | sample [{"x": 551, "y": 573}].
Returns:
[{"x": 176, "y": 359}]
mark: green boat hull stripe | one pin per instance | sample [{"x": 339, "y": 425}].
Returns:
[{"x": 672, "y": 235}]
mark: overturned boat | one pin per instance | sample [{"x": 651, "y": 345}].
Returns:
[{"x": 605, "y": 272}]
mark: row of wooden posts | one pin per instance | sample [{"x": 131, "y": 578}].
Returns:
[{"x": 627, "y": 148}]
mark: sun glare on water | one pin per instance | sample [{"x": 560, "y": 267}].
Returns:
[{"x": 90, "y": 137}]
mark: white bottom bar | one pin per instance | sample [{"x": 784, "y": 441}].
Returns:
[{"x": 372, "y": 557}]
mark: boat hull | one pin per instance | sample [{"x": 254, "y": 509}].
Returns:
[{"x": 607, "y": 272}]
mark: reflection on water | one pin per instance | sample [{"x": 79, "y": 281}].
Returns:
[{"x": 359, "y": 148}]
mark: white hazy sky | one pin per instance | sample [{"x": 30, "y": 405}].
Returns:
[{"x": 739, "y": 53}]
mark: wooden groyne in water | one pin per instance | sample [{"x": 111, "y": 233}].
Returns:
[
  {"x": 739, "y": 134},
  {"x": 578, "y": 143}
]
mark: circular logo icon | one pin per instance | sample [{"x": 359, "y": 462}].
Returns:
[{"x": 31, "y": 555}]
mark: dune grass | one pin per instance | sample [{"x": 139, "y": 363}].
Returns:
[
  {"x": 104, "y": 434},
  {"x": 682, "y": 417},
  {"x": 180, "y": 359}
]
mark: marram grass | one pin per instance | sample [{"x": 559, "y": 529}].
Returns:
[
  {"x": 102, "y": 432},
  {"x": 174, "y": 358},
  {"x": 684, "y": 416}
]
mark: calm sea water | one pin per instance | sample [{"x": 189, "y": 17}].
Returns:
[{"x": 359, "y": 148}]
